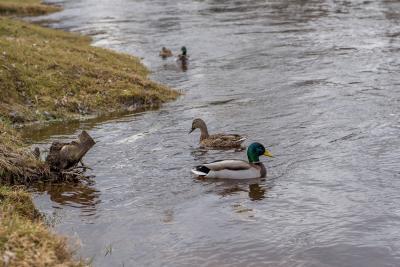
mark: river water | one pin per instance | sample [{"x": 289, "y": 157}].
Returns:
[{"x": 315, "y": 81}]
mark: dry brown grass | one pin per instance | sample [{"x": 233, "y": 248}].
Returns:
[
  {"x": 17, "y": 164},
  {"x": 25, "y": 7},
  {"x": 24, "y": 239}
]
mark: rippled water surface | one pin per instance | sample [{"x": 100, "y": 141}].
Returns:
[{"x": 316, "y": 81}]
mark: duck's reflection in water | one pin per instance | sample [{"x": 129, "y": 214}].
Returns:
[
  {"x": 79, "y": 195},
  {"x": 256, "y": 192},
  {"x": 255, "y": 189}
]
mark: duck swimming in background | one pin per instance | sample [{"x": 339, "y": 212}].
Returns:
[
  {"x": 183, "y": 57},
  {"x": 165, "y": 52},
  {"x": 234, "y": 168},
  {"x": 216, "y": 141}
]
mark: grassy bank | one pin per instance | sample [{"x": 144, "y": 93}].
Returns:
[
  {"x": 25, "y": 8},
  {"x": 47, "y": 74},
  {"x": 24, "y": 239}
]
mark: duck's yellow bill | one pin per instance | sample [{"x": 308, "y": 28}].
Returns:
[{"x": 268, "y": 154}]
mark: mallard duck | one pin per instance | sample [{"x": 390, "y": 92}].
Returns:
[
  {"x": 234, "y": 168},
  {"x": 165, "y": 52},
  {"x": 183, "y": 57},
  {"x": 218, "y": 141}
]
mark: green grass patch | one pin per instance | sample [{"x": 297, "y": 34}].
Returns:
[
  {"x": 25, "y": 8},
  {"x": 49, "y": 74}
]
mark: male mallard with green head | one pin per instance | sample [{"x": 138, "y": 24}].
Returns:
[
  {"x": 183, "y": 57},
  {"x": 216, "y": 141},
  {"x": 234, "y": 168}
]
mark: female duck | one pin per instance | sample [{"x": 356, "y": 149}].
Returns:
[
  {"x": 236, "y": 169},
  {"x": 165, "y": 52},
  {"x": 216, "y": 141}
]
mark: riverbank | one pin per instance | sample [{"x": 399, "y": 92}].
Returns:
[
  {"x": 49, "y": 75},
  {"x": 25, "y": 8},
  {"x": 25, "y": 239}
]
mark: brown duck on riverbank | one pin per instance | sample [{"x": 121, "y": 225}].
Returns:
[{"x": 216, "y": 141}]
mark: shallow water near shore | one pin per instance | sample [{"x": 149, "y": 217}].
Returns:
[{"x": 315, "y": 81}]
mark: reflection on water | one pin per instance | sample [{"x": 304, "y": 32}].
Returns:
[
  {"x": 256, "y": 192},
  {"x": 79, "y": 195},
  {"x": 316, "y": 81}
]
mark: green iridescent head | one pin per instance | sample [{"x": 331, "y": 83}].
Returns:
[
  {"x": 256, "y": 150},
  {"x": 183, "y": 49}
]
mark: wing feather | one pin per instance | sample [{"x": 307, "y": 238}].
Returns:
[
  {"x": 231, "y": 164},
  {"x": 223, "y": 140}
]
